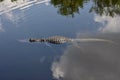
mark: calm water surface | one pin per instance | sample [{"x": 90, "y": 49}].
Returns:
[{"x": 23, "y": 19}]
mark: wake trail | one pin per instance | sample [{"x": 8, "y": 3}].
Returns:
[
  {"x": 92, "y": 40},
  {"x": 24, "y": 40}
]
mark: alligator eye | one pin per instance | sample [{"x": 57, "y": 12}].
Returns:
[{"x": 42, "y": 40}]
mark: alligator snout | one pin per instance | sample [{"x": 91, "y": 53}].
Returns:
[
  {"x": 32, "y": 40},
  {"x": 36, "y": 40}
]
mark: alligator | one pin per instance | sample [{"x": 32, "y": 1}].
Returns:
[
  {"x": 53, "y": 39},
  {"x": 61, "y": 40}
]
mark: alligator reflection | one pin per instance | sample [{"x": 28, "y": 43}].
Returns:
[{"x": 70, "y": 7}]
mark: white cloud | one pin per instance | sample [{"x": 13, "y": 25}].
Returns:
[
  {"x": 14, "y": 18},
  {"x": 7, "y": 5},
  {"x": 110, "y": 24},
  {"x": 57, "y": 70}
]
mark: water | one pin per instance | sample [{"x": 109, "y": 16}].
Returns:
[{"x": 23, "y": 19}]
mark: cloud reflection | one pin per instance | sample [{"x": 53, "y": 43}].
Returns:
[
  {"x": 109, "y": 24},
  {"x": 1, "y": 27},
  {"x": 7, "y": 8},
  {"x": 7, "y": 5},
  {"x": 95, "y": 61}
]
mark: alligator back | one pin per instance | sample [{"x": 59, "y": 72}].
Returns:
[{"x": 57, "y": 39}]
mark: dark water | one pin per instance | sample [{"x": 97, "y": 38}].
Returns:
[{"x": 23, "y": 19}]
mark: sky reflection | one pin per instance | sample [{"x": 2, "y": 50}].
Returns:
[
  {"x": 1, "y": 27},
  {"x": 8, "y": 5},
  {"x": 89, "y": 61},
  {"x": 94, "y": 61},
  {"x": 109, "y": 24}
]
